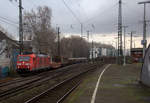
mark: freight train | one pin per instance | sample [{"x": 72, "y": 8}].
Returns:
[{"x": 35, "y": 62}]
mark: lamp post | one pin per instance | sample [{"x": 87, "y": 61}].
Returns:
[{"x": 144, "y": 41}]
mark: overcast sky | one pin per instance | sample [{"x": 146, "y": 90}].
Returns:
[{"x": 98, "y": 16}]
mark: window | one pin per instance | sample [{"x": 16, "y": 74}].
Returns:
[{"x": 24, "y": 58}]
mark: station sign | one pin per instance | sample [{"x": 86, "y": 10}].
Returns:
[{"x": 143, "y": 42}]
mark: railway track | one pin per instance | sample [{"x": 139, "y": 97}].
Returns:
[
  {"x": 32, "y": 84},
  {"x": 34, "y": 77},
  {"x": 67, "y": 93},
  {"x": 28, "y": 85},
  {"x": 53, "y": 91},
  {"x": 60, "y": 91},
  {"x": 20, "y": 79}
]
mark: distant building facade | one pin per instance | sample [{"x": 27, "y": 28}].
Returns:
[
  {"x": 102, "y": 51},
  {"x": 8, "y": 51},
  {"x": 6, "y": 45}
]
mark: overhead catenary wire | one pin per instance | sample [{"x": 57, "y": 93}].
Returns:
[
  {"x": 74, "y": 15},
  {"x": 31, "y": 3},
  {"x": 79, "y": 8},
  {"x": 103, "y": 12},
  {"x": 6, "y": 19},
  {"x": 15, "y": 5},
  {"x": 91, "y": 19}
]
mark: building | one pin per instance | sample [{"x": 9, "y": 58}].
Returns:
[
  {"x": 102, "y": 51},
  {"x": 8, "y": 54},
  {"x": 94, "y": 52},
  {"x": 6, "y": 46}
]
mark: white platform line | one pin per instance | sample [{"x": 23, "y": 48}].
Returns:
[{"x": 97, "y": 85}]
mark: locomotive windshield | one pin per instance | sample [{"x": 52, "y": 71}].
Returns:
[{"x": 24, "y": 58}]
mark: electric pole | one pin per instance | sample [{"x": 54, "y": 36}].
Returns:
[
  {"x": 81, "y": 29},
  {"x": 124, "y": 63},
  {"x": 20, "y": 27},
  {"x": 131, "y": 42},
  {"x": 144, "y": 41},
  {"x": 116, "y": 51},
  {"x": 88, "y": 35},
  {"x": 92, "y": 51},
  {"x": 58, "y": 32},
  {"x": 120, "y": 53}
]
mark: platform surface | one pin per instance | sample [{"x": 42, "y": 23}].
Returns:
[{"x": 118, "y": 84}]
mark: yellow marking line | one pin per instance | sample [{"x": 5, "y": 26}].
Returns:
[{"x": 97, "y": 85}]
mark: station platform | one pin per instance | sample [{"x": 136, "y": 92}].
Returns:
[{"x": 111, "y": 84}]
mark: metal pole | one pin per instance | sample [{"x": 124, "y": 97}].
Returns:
[
  {"x": 59, "y": 41},
  {"x": 116, "y": 51},
  {"x": 131, "y": 43},
  {"x": 124, "y": 45},
  {"x": 92, "y": 50},
  {"x": 81, "y": 30},
  {"x": 120, "y": 53},
  {"x": 144, "y": 31},
  {"x": 144, "y": 42},
  {"x": 88, "y": 34},
  {"x": 20, "y": 27}
]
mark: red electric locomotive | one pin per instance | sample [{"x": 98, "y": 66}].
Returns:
[{"x": 32, "y": 62}]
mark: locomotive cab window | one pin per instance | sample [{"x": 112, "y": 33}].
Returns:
[{"x": 22, "y": 58}]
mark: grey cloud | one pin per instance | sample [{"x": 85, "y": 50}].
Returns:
[{"x": 103, "y": 14}]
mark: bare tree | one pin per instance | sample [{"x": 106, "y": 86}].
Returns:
[
  {"x": 37, "y": 25},
  {"x": 74, "y": 47}
]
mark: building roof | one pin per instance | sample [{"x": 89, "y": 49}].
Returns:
[{"x": 3, "y": 36}]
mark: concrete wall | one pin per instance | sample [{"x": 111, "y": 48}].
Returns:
[
  {"x": 4, "y": 62},
  {"x": 145, "y": 74}
]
